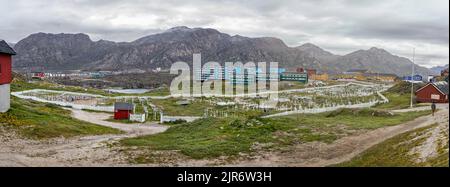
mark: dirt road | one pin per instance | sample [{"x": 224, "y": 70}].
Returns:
[
  {"x": 321, "y": 154},
  {"x": 439, "y": 106},
  {"x": 81, "y": 151},
  {"x": 94, "y": 150},
  {"x": 131, "y": 129}
]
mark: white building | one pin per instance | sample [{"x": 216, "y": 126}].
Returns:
[{"x": 5, "y": 75}]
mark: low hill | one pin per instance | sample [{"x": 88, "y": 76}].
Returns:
[{"x": 404, "y": 87}]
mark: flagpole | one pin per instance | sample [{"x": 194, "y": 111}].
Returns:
[{"x": 412, "y": 78}]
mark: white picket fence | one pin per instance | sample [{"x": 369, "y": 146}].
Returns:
[
  {"x": 137, "y": 117},
  {"x": 174, "y": 118},
  {"x": 61, "y": 103},
  {"x": 23, "y": 95},
  {"x": 329, "y": 109}
]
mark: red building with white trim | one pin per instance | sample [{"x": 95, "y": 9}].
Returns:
[
  {"x": 6, "y": 53},
  {"x": 437, "y": 92},
  {"x": 123, "y": 110},
  {"x": 38, "y": 75}
]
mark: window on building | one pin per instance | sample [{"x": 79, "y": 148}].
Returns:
[{"x": 435, "y": 96}]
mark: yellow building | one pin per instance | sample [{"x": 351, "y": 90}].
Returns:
[
  {"x": 359, "y": 77},
  {"x": 357, "y": 74},
  {"x": 383, "y": 77},
  {"x": 320, "y": 77},
  {"x": 363, "y": 75}
]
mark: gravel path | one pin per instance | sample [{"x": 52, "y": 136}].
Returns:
[
  {"x": 131, "y": 129},
  {"x": 79, "y": 151},
  {"x": 435, "y": 139},
  {"x": 444, "y": 106},
  {"x": 94, "y": 150},
  {"x": 320, "y": 154}
]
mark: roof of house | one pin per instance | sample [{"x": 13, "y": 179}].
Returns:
[
  {"x": 380, "y": 74},
  {"x": 294, "y": 72},
  {"x": 6, "y": 49},
  {"x": 123, "y": 106},
  {"x": 442, "y": 86},
  {"x": 357, "y": 71}
]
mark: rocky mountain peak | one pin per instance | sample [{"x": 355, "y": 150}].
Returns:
[
  {"x": 238, "y": 38},
  {"x": 181, "y": 33},
  {"x": 43, "y": 36},
  {"x": 179, "y": 29},
  {"x": 378, "y": 50},
  {"x": 313, "y": 50},
  {"x": 379, "y": 60},
  {"x": 271, "y": 41},
  {"x": 309, "y": 45},
  {"x": 437, "y": 69}
]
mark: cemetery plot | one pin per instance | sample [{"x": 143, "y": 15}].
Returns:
[{"x": 307, "y": 100}]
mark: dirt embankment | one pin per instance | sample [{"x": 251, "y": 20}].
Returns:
[
  {"x": 95, "y": 150},
  {"x": 80, "y": 151},
  {"x": 322, "y": 154}
]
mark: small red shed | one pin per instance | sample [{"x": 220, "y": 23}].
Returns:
[
  {"x": 5, "y": 62},
  {"x": 123, "y": 110},
  {"x": 6, "y": 53},
  {"x": 437, "y": 92},
  {"x": 38, "y": 75}
]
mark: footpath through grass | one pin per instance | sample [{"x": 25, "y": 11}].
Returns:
[
  {"x": 396, "y": 101},
  {"x": 214, "y": 137},
  {"x": 397, "y": 152},
  {"x": 42, "y": 121},
  {"x": 399, "y": 96}
]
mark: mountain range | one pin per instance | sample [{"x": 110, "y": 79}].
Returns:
[
  {"x": 438, "y": 69},
  {"x": 79, "y": 52}
]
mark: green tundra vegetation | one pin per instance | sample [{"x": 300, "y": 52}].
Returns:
[
  {"x": 174, "y": 106},
  {"x": 42, "y": 121},
  {"x": 397, "y": 152},
  {"x": 399, "y": 96},
  {"x": 20, "y": 84},
  {"x": 214, "y": 137}
]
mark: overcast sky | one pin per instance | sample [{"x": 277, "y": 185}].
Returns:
[{"x": 339, "y": 26}]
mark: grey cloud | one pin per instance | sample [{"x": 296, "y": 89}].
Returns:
[{"x": 412, "y": 22}]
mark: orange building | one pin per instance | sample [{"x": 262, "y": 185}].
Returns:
[{"x": 320, "y": 77}]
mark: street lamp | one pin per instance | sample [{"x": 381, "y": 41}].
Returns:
[{"x": 412, "y": 78}]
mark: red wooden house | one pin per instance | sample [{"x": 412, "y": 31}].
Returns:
[
  {"x": 311, "y": 72},
  {"x": 123, "y": 110},
  {"x": 437, "y": 92},
  {"x": 38, "y": 75},
  {"x": 5, "y": 75}
]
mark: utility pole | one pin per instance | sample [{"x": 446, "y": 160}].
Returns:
[{"x": 412, "y": 78}]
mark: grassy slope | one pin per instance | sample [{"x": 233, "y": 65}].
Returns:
[
  {"x": 399, "y": 96},
  {"x": 21, "y": 85},
  {"x": 170, "y": 107},
  {"x": 41, "y": 121},
  {"x": 210, "y": 137},
  {"x": 395, "y": 152},
  {"x": 396, "y": 101}
]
